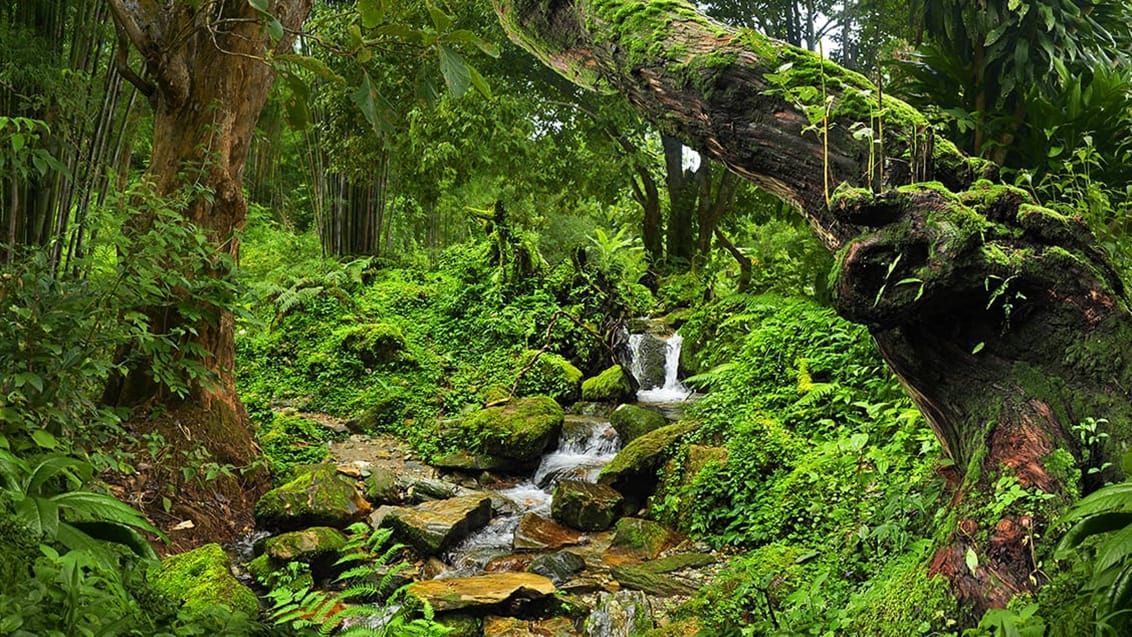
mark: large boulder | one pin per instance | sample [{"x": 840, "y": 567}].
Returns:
[
  {"x": 633, "y": 471},
  {"x": 550, "y": 375},
  {"x": 639, "y": 540},
  {"x": 536, "y": 533},
  {"x": 559, "y": 566},
  {"x": 620, "y": 614},
  {"x": 632, "y": 422},
  {"x": 614, "y": 385},
  {"x": 319, "y": 495},
  {"x": 202, "y": 579},
  {"x": 511, "y": 437},
  {"x": 655, "y": 577},
  {"x": 376, "y": 345},
  {"x": 437, "y": 525},
  {"x": 317, "y": 546},
  {"x": 480, "y": 592},
  {"x": 585, "y": 506},
  {"x": 651, "y": 356}
]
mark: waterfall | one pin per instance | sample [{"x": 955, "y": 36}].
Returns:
[{"x": 655, "y": 363}]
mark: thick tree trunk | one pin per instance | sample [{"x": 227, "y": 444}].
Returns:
[
  {"x": 210, "y": 82},
  {"x": 682, "y": 194},
  {"x": 1001, "y": 318}
]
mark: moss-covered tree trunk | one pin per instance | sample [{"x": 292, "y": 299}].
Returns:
[
  {"x": 207, "y": 79},
  {"x": 1001, "y": 318}
]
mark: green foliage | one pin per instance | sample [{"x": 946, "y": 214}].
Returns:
[
  {"x": 371, "y": 578},
  {"x": 289, "y": 440},
  {"x": 1100, "y": 533}
]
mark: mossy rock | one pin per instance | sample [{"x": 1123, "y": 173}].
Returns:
[
  {"x": 377, "y": 345},
  {"x": 318, "y": 496},
  {"x": 585, "y": 506},
  {"x": 202, "y": 579},
  {"x": 633, "y": 471},
  {"x": 640, "y": 540},
  {"x": 317, "y": 546},
  {"x": 614, "y": 385},
  {"x": 511, "y": 437},
  {"x": 381, "y": 487},
  {"x": 632, "y": 422},
  {"x": 550, "y": 375},
  {"x": 461, "y": 624}
]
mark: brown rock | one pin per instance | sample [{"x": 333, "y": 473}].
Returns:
[
  {"x": 457, "y": 593},
  {"x": 434, "y": 526},
  {"x": 536, "y": 533},
  {"x": 509, "y": 564}
]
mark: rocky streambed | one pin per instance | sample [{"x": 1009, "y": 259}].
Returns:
[{"x": 560, "y": 549}]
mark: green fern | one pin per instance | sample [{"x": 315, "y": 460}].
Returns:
[{"x": 327, "y": 612}]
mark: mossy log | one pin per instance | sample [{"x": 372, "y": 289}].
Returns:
[{"x": 1003, "y": 319}]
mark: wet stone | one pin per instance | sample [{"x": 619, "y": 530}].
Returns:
[
  {"x": 558, "y": 566},
  {"x": 434, "y": 526},
  {"x": 481, "y": 591},
  {"x": 536, "y": 533}
]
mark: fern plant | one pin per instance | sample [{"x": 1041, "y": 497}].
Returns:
[
  {"x": 1102, "y": 528},
  {"x": 48, "y": 496},
  {"x": 325, "y": 612}
]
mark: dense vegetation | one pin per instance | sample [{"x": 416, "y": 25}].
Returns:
[{"x": 435, "y": 224}]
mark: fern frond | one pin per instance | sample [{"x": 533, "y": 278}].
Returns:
[{"x": 817, "y": 393}]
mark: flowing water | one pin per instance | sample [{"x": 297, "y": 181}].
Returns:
[{"x": 585, "y": 446}]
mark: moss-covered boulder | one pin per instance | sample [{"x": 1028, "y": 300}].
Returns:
[
  {"x": 381, "y": 486},
  {"x": 639, "y": 540},
  {"x": 511, "y": 437},
  {"x": 319, "y": 495},
  {"x": 633, "y": 471},
  {"x": 585, "y": 506},
  {"x": 202, "y": 579},
  {"x": 632, "y": 422},
  {"x": 549, "y": 375},
  {"x": 650, "y": 357},
  {"x": 376, "y": 345},
  {"x": 614, "y": 385},
  {"x": 317, "y": 546}
]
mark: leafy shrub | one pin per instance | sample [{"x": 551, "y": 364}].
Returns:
[{"x": 289, "y": 440}]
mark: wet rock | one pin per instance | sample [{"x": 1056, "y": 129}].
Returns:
[
  {"x": 632, "y": 422},
  {"x": 434, "y": 526},
  {"x": 582, "y": 585},
  {"x": 319, "y": 495},
  {"x": 638, "y": 540},
  {"x": 425, "y": 489},
  {"x": 651, "y": 355},
  {"x": 557, "y": 566},
  {"x": 614, "y": 385},
  {"x": 585, "y": 506},
  {"x": 536, "y": 533},
  {"x": 509, "y": 564},
  {"x": 480, "y": 592},
  {"x": 202, "y": 579},
  {"x": 317, "y": 546},
  {"x": 620, "y": 614},
  {"x": 633, "y": 471},
  {"x": 644, "y": 579},
  {"x": 512, "y": 627},
  {"x": 511, "y": 438}
]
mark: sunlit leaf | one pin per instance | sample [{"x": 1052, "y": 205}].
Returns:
[{"x": 455, "y": 71}]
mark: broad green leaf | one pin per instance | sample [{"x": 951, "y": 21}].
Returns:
[
  {"x": 39, "y": 514},
  {"x": 455, "y": 71},
  {"x": 464, "y": 36},
  {"x": 972, "y": 560},
  {"x": 314, "y": 65},
  {"x": 56, "y": 465},
  {"x": 1093, "y": 525},
  {"x": 103, "y": 508},
  {"x": 477, "y": 81},
  {"x": 1113, "y": 498},
  {"x": 1114, "y": 551},
  {"x": 44, "y": 439},
  {"x": 376, "y": 109},
  {"x": 18, "y": 142},
  {"x": 442, "y": 21},
  {"x": 372, "y": 12},
  {"x": 274, "y": 28}
]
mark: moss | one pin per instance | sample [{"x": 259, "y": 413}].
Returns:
[
  {"x": 904, "y": 601},
  {"x": 550, "y": 375},
  {"x": 632, "y": 422},
  {"x": 520, "y": 430},
  {"x": 1062, "y": 467},
  {"x": 612, "y": 385},
  {"x": 201, "y": 579},
  {"x": 376, "y": 345},
  {"x": 641, "y": 537},
  {"x": 309, "y": 544},
  {"x": 317, "y": 496}
]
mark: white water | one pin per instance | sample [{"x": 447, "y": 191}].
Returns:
[
  {"x": 585, "y": 446},
  {"x": 672, "y": 391}
]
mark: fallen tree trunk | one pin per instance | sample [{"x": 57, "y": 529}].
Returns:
[{"x": 1002, "y": 318}]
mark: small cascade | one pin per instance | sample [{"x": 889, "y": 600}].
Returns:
[
  {"x": 585, "y": 446},
  {"x": 655, "y": 365}
]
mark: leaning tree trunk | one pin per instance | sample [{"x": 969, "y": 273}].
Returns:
[
  {"x": 207, "y": 78},
  {"x": 1002, "y": 319}
]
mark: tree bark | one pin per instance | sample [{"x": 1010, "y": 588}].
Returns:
[
  {"x": 1003, "y": 319},
  {"x": 210, "y": 81}
]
